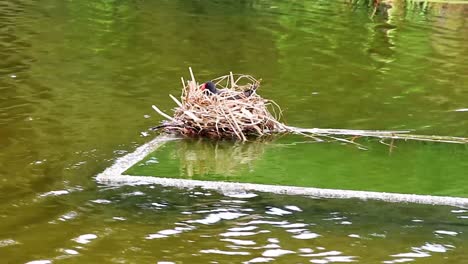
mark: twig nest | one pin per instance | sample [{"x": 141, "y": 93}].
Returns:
[{"x": 237, "y": 111}]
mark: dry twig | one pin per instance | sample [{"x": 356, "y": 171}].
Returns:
[{"x": 232, "y": 114}]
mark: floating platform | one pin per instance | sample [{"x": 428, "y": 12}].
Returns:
[{"x": 117, "y": 174}]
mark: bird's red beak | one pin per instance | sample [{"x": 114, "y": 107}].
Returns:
[{"x": 203, "y": 86}]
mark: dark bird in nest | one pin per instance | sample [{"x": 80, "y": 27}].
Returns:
[{"x": 209, "y": 88}]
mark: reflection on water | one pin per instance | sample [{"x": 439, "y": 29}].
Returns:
[
  {"x": 216, "y": 157},
  {"x": 77, "y": 79},
  {"x": 202, "y": 159}
]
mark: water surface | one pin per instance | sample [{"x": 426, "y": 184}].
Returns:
[
  {"x": 77, "y": 79},
  {"x": 405, "y": 167}
]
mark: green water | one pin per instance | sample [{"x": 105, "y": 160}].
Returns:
[
  {"x": 411, "y": 167},
  {"x": 77, "y": 79}
]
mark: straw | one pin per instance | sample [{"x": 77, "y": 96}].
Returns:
[{"x": 234, "y": 115}]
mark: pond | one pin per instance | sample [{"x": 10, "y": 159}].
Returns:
[{"x": 78, "y": 78}]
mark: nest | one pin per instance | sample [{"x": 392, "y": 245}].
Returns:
[{"x": 232, "y": 114}]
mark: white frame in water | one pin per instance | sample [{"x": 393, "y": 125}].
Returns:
[{"x": 114, "y": 175}]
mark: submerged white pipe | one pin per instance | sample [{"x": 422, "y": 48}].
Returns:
[{"x": 114, "y": 175}]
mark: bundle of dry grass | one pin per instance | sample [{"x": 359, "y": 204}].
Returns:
[
  {"x": 234, "y": 114},
  {"x": 229, "y": 114}
]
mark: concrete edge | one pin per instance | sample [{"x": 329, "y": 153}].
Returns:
[
  {"x": 125, "y": 162},
  {"x": 114, "y": 175}
]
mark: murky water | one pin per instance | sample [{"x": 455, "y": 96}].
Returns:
[{"x": 77, "y": 79}]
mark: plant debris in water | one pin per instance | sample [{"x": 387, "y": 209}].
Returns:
[{"x": 236, "y": 111}]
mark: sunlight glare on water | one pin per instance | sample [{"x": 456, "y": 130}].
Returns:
[{"x": 197, "y": 226}]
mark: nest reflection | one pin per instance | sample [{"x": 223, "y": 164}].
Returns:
[{"x": 223, "y": 158}]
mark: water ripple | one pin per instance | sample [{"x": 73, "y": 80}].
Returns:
[{"x": 77, "y": 79}]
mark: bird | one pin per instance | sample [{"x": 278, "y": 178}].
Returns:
[{"x": 210, "y": 88}]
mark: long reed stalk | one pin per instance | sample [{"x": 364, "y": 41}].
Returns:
[{"x": 233, "y": 114}]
